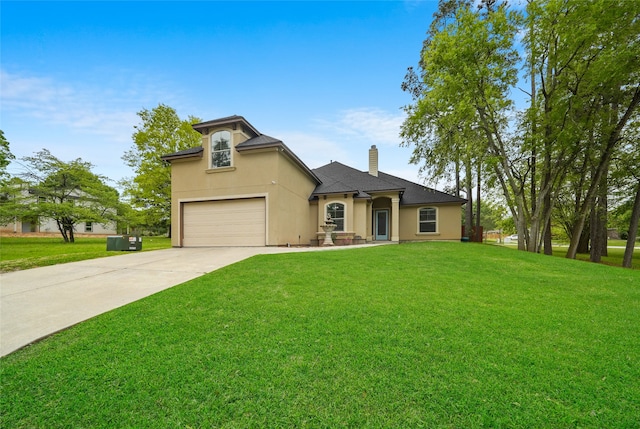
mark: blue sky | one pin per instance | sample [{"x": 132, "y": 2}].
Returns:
[{"x": 324, "y": 77}]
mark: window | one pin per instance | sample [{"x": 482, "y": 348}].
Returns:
[
  {"x": 88, "y": 227},
  {"x": 336, "y": 211},
  {"x": 427, "y": 220},
  {"x": 221, "y": 149}
]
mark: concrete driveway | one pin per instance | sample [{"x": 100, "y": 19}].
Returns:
[{"x": 39, "y": 302}]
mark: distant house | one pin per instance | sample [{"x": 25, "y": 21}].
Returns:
[
  {"x": 20, "y": 226},
  {"x": 244, "y": 188},
  {"x": 24, "y": 225}
]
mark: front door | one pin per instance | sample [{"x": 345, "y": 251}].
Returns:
[{"x": 381, "y": 225}]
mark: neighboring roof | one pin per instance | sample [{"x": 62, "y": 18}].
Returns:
[
  {"x": 234, "y": 120},
  {"x": 194, "y": 152},
  {"x": 338, "y": 178}
]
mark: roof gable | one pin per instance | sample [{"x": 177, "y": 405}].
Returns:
[
  {"x": 256, "y": 140},
  {"x": 233, "y": 121}
]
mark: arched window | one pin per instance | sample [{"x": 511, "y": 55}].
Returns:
[
  {"x": 221, "y": 149},
  {"x": 336, "y": 211},
  {"x": 428, "y": 220}
]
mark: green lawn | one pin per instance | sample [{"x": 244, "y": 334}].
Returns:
[
  {"x": 451, "y": 335},
  {"x": 19, "y": 253},
  {"x": 614, "y": 258}
]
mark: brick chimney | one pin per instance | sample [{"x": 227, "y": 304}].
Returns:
[{"x": 373, "y": 161}]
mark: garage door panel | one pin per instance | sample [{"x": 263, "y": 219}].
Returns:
[{"x": 224, "y": 223}]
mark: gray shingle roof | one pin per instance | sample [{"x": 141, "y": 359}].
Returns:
[
  {"x": 193, "y": 152},
  {"x": 262, "y": 140},
  {"x": 203, "y": 127},
  {"x": 338, "y": 178},
  {"x": 415, "y": 193}
]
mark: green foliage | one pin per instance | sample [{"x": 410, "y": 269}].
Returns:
[
  {"x": 419, "y": 335},
  {"x": 21, "y": 253},
  {"x": 468, "y": 64},
  {"x": 5, "y": 157},
  {"x": 585, "y": 54},
  {"x": 583, "y": 66},
  {"x": 160, "y": 132},
  {"x": 67, "y": 192},
  {"x": 9, "y": 186},
  {"x": 13, "y": 196},
  {"x": 625, "y": 179},
  {"x": 492, "y": 215}
]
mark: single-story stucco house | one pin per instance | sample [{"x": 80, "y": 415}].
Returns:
[{"x": 244, "y": 188}]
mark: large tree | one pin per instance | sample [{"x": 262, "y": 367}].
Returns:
[
  {"x": 160, "y": 132},
  {"x": 587, "y": 69},
  {"x": 626, "y": 196},
  {"x": 67, "y": 192},
  {"x": 460, "y": 112},
  {"x": 581, "y": 59}
]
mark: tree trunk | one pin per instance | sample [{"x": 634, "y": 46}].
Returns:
[
  {"x": 598, "y": 225},
  {"x": 548, "y": 247},
  {"x": 612, "y": 140},
  {"x": 62, "y": 230},
  {"x": 468, "y": 213},
  {"x": 478, "y": 232},
  {"x": 633, "y": 230},
  {"x": 67, "y": 224},
  {"x": 458, "y": 178},
  {"x": 585, "y": 238}
]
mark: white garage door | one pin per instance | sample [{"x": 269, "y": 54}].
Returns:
[{"x": 224, "y": 223}]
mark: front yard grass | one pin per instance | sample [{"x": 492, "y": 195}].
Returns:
[
  {"x": 450, "y": 335},
  {"x": 20, "y": 253},
  {"x": 614, "y": 257}
]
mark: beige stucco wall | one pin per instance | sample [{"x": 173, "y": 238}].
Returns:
[
  {"x": 265, "y": 173},
  {"x": 448, "y": 221},
  {"x": 291, "y": 222},
  {"x": 362, "y": 217}
]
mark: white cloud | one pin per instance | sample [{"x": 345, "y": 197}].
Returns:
[
  {"x": 347, "y": 139},
  {"x": 314, "y": 150},
  {"x": 83, "y": 110},
  {"x": 410, "y": 173},
  {"x": 373, "y": 125}
]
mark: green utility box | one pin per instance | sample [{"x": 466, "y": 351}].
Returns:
[
  {"x": 123, "y": 242},
  {"x": 135, "y": 243}
]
